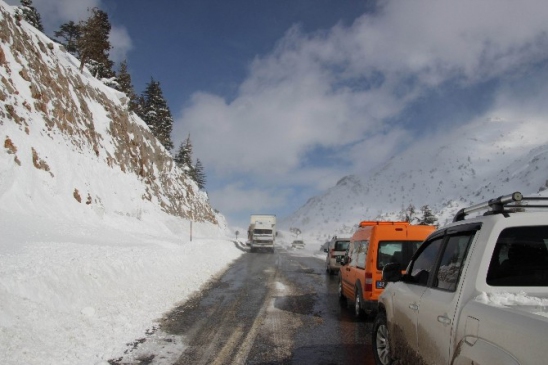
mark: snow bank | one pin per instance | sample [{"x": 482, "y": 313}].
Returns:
[{"x": 79, "y": 296}]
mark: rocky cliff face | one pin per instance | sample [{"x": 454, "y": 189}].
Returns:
[{"x": 63, "y": 127}]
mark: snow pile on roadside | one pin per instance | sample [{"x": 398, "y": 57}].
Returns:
[
  {"x": 79, "y": 297},
  {"x": 309, "y": 249}
]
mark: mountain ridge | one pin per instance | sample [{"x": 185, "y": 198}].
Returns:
[{"x": 470, "y": 164}]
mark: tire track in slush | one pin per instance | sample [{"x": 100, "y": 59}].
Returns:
[
  {"x": 223, "y": 339},
  {"x": 245, "y": 316},
  {"x": 272, "y": 326}
]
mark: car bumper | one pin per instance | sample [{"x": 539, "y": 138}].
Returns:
[
  {"x": 333, "y": 264},
  {"x": 262, "y": 244}
]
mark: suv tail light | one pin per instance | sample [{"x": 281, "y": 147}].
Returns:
[
  {"x": 332, "y": 253},
  {"x": 368, "y": 281}
]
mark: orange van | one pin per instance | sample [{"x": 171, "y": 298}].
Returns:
[{"x": 373, "y": 245}]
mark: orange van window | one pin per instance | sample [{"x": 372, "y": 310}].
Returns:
[{"x": 396, "y": 251}]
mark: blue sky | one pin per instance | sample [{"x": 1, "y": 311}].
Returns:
[{"x": 283, "y": 98}]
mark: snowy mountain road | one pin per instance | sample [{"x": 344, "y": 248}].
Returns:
[{"x": 279, "y": 308}]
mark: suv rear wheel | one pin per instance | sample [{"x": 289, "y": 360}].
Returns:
[{"x": 381, "y": 340}]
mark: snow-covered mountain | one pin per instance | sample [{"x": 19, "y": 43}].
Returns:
[
  {"x": 66, "y": 134},
  {"x": 474, "y": 163}
]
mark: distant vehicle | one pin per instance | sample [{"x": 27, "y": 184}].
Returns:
[
  {"x": 262, "y": 232},
  {"x": 336, "y": 249},
  {"x": 297, "y": 244},
  {"x": 373, "y": 245},
  {"x": 476, "y": 291}
]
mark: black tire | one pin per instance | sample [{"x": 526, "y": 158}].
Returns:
[
  {"x": 358, "y": 311},
  {"x": 342, "y": 298},
  {"x": 380, "y": 340}
]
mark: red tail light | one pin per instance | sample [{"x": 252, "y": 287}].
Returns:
[
  {"x": 332, "y": 253},
  {"x": 368, "y": 281}
]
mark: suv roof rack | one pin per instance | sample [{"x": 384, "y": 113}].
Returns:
[{"x": 502, "y": 205}]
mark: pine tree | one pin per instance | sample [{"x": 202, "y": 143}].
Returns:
[
  {"x": 199, "y": 174},
  {"x": 188, "y": 153},
  {"x": 428, "y": 218},
  {"x": 140, "y": 107},
  {"x": 70, "y": 32},
  {"x": 409, "y": 213},
  {"x": 125, "y": 86},
  {"x": 94, "y": 45},
  {"x": 31, "y": 15},
  {"x": 180, "y": 156},
  {"x": 156, "y": 114},
  {"x": 183, "y": 157}
]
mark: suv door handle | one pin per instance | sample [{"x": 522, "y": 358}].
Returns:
[
  {"x": 444, "y": 320},
  {"x": 414, "y": 307}
]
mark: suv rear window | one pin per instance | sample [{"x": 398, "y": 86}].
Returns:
[
  {"x": 520, "y": 257},
  {"x": 396, "y": 251},
  {"x": 341, "y": 245}
]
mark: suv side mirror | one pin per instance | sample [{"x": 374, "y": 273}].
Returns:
[
  {"x": 343, "y": 260},
  {"x": 325, "y": 250},
  {"x": 391, "y": 272}
]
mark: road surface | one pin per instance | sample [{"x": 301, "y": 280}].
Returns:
[{"x": 267, "y": 308}]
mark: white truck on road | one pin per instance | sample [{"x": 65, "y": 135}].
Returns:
[
  {"x": 262, "y": 231},
  {"x": 475, "y": 292}
]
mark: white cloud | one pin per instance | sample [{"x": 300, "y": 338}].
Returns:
[
  {"x": 239, "y": 198},
  {"x": 338, "y": 88},
  {"x": 377, "y": 149},
  {"x": 56, "y": 12},
  {"x": 121, "y": 43}
]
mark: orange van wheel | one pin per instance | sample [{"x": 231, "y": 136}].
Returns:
[
  {"x": 342, "y": 298},
  {"x": 358, "y": 312}
]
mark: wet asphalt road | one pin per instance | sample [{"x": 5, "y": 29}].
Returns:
[{"x": 267, "y": 308}]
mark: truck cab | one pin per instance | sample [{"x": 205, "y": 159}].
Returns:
[{"x": 262, "y": 232}]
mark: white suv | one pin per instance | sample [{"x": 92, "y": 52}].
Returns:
[
  {"x": 476, "y": 291},
  {"x": 335, "y": 250}
]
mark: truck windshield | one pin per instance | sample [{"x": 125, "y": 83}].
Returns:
[
  {"x": 262, "y": 231},
  {"x": 396, "y": 251},
  {"x": 520, "y": 257},
  {"x": 341, "y": 245}
]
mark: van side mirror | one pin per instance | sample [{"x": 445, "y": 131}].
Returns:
[
  {"x": 391, "y": 272},
  {"x": 343, "y": 260}
]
